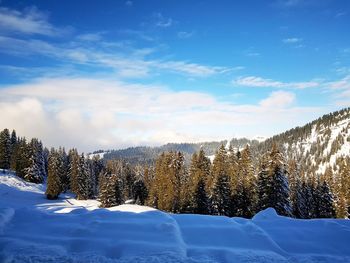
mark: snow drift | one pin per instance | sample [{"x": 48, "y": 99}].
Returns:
[{"x": 34, "y": 229}]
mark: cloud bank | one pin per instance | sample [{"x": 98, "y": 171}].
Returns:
[{"x": 107, "y": 113}]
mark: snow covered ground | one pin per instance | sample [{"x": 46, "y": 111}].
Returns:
[{"x": 34, "y": 229}]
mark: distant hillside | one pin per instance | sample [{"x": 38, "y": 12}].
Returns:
[
  {"x": 316, "y": 145},
  {"x": 147, "y": 155}
]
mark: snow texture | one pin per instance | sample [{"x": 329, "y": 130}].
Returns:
[{"x": 34, "y": 229}]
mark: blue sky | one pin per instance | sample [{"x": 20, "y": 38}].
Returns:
[{"x": 106, "y": 74}]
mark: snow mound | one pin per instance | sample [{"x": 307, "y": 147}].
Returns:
[
  {"x": 132, "y": 208},
  {"x": 34, "y": 229},
  {"x": 266, "y": 214}
]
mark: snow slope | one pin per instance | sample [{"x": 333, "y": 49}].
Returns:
[
  {"x": 319, "y": 147},
  {"x": 34, "y": 229}
]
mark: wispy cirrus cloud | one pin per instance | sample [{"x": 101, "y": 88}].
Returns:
[
  {"x": 91, "y": 37},
  {"x": 292, "y": 40},
  {"x": 300, "y": 3},
  {"x": 162, "y": 21},
  {"x": 254, "y": 81},
  {"x": 29, "y": 21},
  {"x": 125, "y": 61},
  {"x": 184, "y": 34}
]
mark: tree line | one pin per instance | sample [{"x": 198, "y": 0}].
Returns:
[{"x": 231, "y": 185}]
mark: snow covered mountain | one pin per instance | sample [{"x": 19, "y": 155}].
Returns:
[
  {"x": 34, "y": 229},
  {"x": 317, "y": 145}
]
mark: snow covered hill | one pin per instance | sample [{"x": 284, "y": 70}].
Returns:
[
  {"x": 34, "y": 229},
  {"x": 318, "y": 144}
]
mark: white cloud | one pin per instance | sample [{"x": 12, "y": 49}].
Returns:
[
  {"x": 162, "y": 21},
  {"x": 106, "y": 113},
  {"x": 278, "y": 99},
  {"x": 253, "y": 81},
  {"x": 128, "y": 3},
  {"x": 253, "y": 54},
  {"x": 190, "y": 68},
  {"x": 342, "y": 84},
  {"x": 91, "y": 37},
  {"x": 29, "y": 21},
  {"x": 128, "y": 62},
  {"x": 184, "y": 34},
  {"x": 292, "y": 40}
]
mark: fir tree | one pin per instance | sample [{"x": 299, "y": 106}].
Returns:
[
  {"x": 299, "y": 205},
  {"x": 245, "y": 194},
  {"x": 325, "y": 201},
  {"x": 21, "y": 158},
  {"x": 264, "y": 185},
  {"x": 84, "y": 190},
  {"x": 54, "y": 186},
  {"x": 221, "y": 193},
  {"x": 200, "y": 198},
  {"x": 63, "y": 169},
  {"x": 199, "y": 178},
  {"x": 5, "y": 149},
  {"x": 73, "y": 169},
  {"x": 110, "y": 191},
  {"x": 273, "y": 186},
  {"x": 221, "y": 196},
  {"x": 35, "y": 172},
  {"x": 96, "y": 168},
  {"x": 140, "y": 192}
]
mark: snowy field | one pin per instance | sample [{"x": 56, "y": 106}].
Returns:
[{"x": 34, "y": 229}]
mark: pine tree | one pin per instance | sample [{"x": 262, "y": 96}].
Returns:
[
  {"x": 35, "y": 172},
  {"x": 73, "y": 169},
  {"x": 342, "y": 187},
  {"x": 199, "y": 178},
  {"x": 96, "y": 168},
  {"x": 140, "y": 192},
  {"x": 21, "y": 158},
  {"x": 200, "y": 198},
  {"x": 13, "y": 141},
  {"x": 275, "y": 192},
  {"x": 245, "y": 195},
  {"x": 5, "y": 149},
  {"x": 166, "y": 190},
  {"x": 264, "y": 185},
  {"x": 54, "y": 186},
  {"x": 299, "y": 209},
  {"x": 325, "y": 201},
  {"x": 221, "y": 193},
  {"x": 84, "y": 190},
  {"x": 110, "y": 191},
  {"x": 63, "y": 169},
  {"x": 221, "y": 196}
]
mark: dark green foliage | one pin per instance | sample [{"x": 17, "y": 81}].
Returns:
[
  {"x": 139, "y": 192},
  {"x": 97, "y": 166},
  {"x": 299, "y": 205},
  {"x": 325, "y": 202},
  {"x": 200, "y": 199},
  {"x": 63, "y": 169},
  {"x": 221, "y": 196},
  {"x": 73, "y": 169},
  {"x": 273, "y": 184},
  {"x": 36, "y": 171},
  {"x": 84, "y": 187},
  {"x": 110, "y": 191},
  {"x": 5, "y": 149},
  {"x": 54, "y": 185}
]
